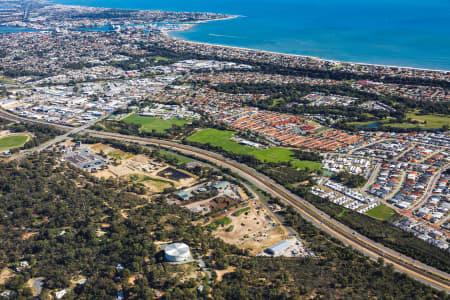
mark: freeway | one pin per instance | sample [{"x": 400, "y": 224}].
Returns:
[
  {"x": 68, "y": 131},
  {"x": 15, "y": 118},
  {"x": 413, "y": 268}
]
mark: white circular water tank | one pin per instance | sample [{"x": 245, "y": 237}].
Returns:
[{"x": 177, "y": 252}]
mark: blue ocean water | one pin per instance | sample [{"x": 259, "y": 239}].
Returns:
[{"x": 413, "y": 33}]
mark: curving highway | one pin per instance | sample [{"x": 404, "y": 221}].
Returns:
[
  {"x": 415, "y": 269},
  {"x": 348, "y": 236}
]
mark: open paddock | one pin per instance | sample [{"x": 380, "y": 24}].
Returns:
[
  {"x": 215, "y": 204},
  {"x": 255, "y": 229},
  {"x": 148, "y": 124},
  {"x": 5, "y": 275}
]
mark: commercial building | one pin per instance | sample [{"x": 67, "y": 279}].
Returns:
[{"x": 278, "y": 249}]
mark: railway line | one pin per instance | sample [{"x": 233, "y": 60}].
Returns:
[
  {"x": 418, "y": 270},
  {"x": 415, "y": 269}
]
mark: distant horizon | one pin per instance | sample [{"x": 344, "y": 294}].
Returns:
[{"x": 399, "y": 34}]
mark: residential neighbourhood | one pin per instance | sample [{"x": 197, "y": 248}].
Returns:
[
  {"x": 140, "y": 165},
  {"x": 398, "y": 166}
]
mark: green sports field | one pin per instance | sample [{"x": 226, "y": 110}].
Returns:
[
  {"x": 148, "y": 124},
  {"x": 432, "y": 121},
  {"x": 381, "y": 212},
  {"x": 222, "y": 138},
  {"x": 303, "y": 164},
  {"x": 13, "y": 141},
  {"x": 435, "y": 121}
]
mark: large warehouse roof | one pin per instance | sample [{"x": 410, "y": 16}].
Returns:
[{"x": 279, "y": 248}]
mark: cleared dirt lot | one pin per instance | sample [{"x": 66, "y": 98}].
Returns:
[
  {"x": 155, "y": 176},
  {"x": 215, "y": 204},
  {"x": 5, "y": 274},
  {"x": 221, "y": 273},
  {"x": 256, "y": 229}
]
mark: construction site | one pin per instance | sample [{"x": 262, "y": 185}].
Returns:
[{"x": 153, "y": 174}]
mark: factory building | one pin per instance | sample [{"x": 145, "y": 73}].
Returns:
[{"x": 278, "y": 249}]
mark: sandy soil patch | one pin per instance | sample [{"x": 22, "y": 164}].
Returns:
[
  {"x": 28, "y": 235},
  {"x": 99, "y": 147},
  {"x": 216, "y": 203},
  {"x": 121, "y": 170},
  {"x": 100, "y": 232},
  {"x": 255, "y": 230},
  {"x": 273, "y": 237},
  {"x": 77, "y": 280},
  {"x": 156, "y": 186},
  {"x": 220, "y": 273},
  {"x": 5, "y": 274},
  {"x": 147, "y": 169},
  {"x": 104, "y": 174},
  {"x": 242, "y": 194},
  {"x": 132, "y": 279}
]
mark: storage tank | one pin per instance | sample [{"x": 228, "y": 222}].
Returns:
[{"x": 177, "y": 252}]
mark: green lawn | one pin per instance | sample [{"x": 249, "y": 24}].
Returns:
[
  {"x": 222, "y": 138},
  {"x": 276, "y": 101},
  {"x": 435, "y": 121},
  {"x": 137, "y": 178},
  {"x": 432, "y": 121},
  {"x": 4, "y": 79},
  {"x": 285, "y": 155},
  {"x": 381, "y": 212},
  {"x": 153, "y": 123},
  {"x": 343, "y": 211},
  {"x": 222, "y": 222},
  {"x": 119, "y": 154},
  {"x": 303, "y": 164},
  {"x": 161, "y": 58},
  {"x": 241, "y": 211},
  {"x": 13, "y": 141},
  {"x": 179, "y": 158},
  {"x": 274, "y": 155}
]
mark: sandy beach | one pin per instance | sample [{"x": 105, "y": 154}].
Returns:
[{"x": 167, "y": 33}]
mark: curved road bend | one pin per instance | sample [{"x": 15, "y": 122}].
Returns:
[{"x": 416, "y": 269}]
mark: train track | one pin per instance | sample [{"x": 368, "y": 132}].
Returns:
[
  {"x": 422, "y": 272},
  {"x": 15, "y": 118},
  {"x": 418, "y": 270}
]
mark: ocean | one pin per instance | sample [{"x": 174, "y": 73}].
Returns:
[{"x": 412, "y": 33}]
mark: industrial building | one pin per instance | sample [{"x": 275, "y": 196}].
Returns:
[
  {"x": 177, "y": 252},
  {"x": 278, "y": 249},
  {"x": 85, "y": 159}
]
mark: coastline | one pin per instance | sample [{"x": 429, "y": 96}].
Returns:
[
  {"x": 189, "y": 25},
  {"x": 167, "y": 34}
]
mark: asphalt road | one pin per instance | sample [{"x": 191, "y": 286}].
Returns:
[
  {"x": 348, "y": 236},
  {"x": 415, "y": 269}
]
